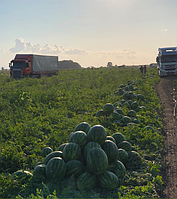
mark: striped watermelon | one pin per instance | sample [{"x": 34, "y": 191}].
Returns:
[
  {"x": 22, "y": 175},
  {"x": 111, "y": 150},
  {"x": 52, "y": 155},
  {"x": 118, "y": 168},
  {"x": 55, "y": 169},
  {"x": 86, "y": 181},
  {"x": 126, "y": 119},
  {"x": 78, "y": 137},
  {"x": 89, "y": 146},
  {"x": 122, "y": 101},
  {"x": 125, "y": 145},
  {"x": 115, "y": 116},
  {"x": 122, "y": 155},
  {"x": 100, "y": 113},
  {"x": 61, "y": 147},
  {"x": 140, "y": 97},
  {"x": 134, "y": 161},
  {"x": 97, "y": 133},
  {"x": 125, "y": 96},
  {"x": 149, "y": 128},
  {"x": 97, "y": 161},
  {"x": 46, "y": 151},
  {"x": 119, "y": 137},
  {"x": 134, "y": 105},
  {"x": 39, "y": 173},
  {"x": 71, "y": 151},
  {"x": 110, "y": 138},
  {"x": 83, "y": 126},
  {"x": 130, "y": 102},
  {"x": 108, "y": 180},
  {"x": 74, "y": 168},
  {"x": 108, "y": 108},
  {"x": 131, "y": 113},
  {"x": 119, "y": 110}
]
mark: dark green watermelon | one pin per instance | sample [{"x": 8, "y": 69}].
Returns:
[
  {"x": 55, "y": 169},
  {"x": 149, "y": 128},
  {"x": 61, "y": 147},
  {"x": 108, "y": 180},
  {"x": 86, "y": 181},
  {"x": 39, "y": 173},
  {"x": 118, "y": 168},
  {"x": 126, "y": 96},
  {"x": 119, "y": 137},
  {"x": 89, "y": 146},
  {"x": 122, "y": 156},
  {"x": 46, "y": 151},
  {"x": 125, "y": 145},
  {"x": 97, "y": 161},
  {"x": 108, "y": 108},
  {"x": 78, "y": 137},
  {"x": 111, "y": 150},
  {"x": 97, "y": 133},
  {"x": 134, "y": 160},
  {"x": 119, "y": 110},
  {"x": 100, "y": 113},
  {"x": 131, "y": 113},
  {"x": 110, "y": 138},
  {"x": 140, "y": 97},
  {"x": 115, "y": 116},
  {"x": 22, "y": 175},
  {"x": 71, "y": 151},
  {"x": 83, "y": 126},
  {"x": 134, "y": 105},
  {"x": 126, "y": 120},
  {"x": 74, "y": 168},
  {"x": 52, "y": 155}
]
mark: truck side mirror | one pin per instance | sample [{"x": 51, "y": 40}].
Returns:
[{"x": 10, "y": 65}]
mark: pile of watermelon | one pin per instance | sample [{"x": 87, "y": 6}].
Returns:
[
  {"x": 130, "y": 101},
  {"x": 91, "y": 159}
]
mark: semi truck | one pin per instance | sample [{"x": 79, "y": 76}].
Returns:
[
  {"x": 167, "y": 61},
  {"x": 31, "y": 65}
]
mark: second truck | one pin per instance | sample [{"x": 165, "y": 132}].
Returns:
[{"x": 167, "y": 61}]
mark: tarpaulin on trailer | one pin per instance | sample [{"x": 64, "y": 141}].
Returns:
[{"x": 43, "y": 63}]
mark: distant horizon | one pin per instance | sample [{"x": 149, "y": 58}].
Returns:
[{"x": 89, "y": 32}]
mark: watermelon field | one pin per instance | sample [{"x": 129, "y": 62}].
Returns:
[{"x": 86, "y": 133}]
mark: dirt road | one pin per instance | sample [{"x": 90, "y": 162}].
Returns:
[{"x": 167, "y": 92}]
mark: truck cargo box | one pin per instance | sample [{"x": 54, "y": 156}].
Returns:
[{"x": 42, "y": 63}]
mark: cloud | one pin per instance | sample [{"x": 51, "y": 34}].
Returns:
[
  {"x": 76, "y": 51},
  {"x": 119, "y": 54},
  {"x": 164, "y": 30},
  {"x": 21, "y": 46}
]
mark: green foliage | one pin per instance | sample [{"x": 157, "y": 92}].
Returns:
[{"x": 36, "y": 113}]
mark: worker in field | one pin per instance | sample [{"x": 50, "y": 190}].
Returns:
[
  {"x": 144, "y": 69},
  {"x": 141, "y": 69}
]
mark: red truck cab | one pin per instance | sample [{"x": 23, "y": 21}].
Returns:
[{"x": 20, "y": 66}]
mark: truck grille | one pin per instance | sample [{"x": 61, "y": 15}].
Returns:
[{"x": 17, "y": 73}]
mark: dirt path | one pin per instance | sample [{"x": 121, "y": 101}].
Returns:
[{"x": 167, "y": 92}]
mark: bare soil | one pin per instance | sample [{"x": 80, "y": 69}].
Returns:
[{"x": 167, "y": 92}]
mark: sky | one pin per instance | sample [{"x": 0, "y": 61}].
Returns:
[{"x": 89, "y": 32}]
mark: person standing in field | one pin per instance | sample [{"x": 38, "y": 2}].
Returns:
[
  {"x": 144, "y": 69},
  {"x": 141, "y": 69}
]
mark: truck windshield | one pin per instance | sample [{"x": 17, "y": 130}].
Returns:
[
  {"x": 169, "y": 58},
  {"x": 19, "y": 65}
]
